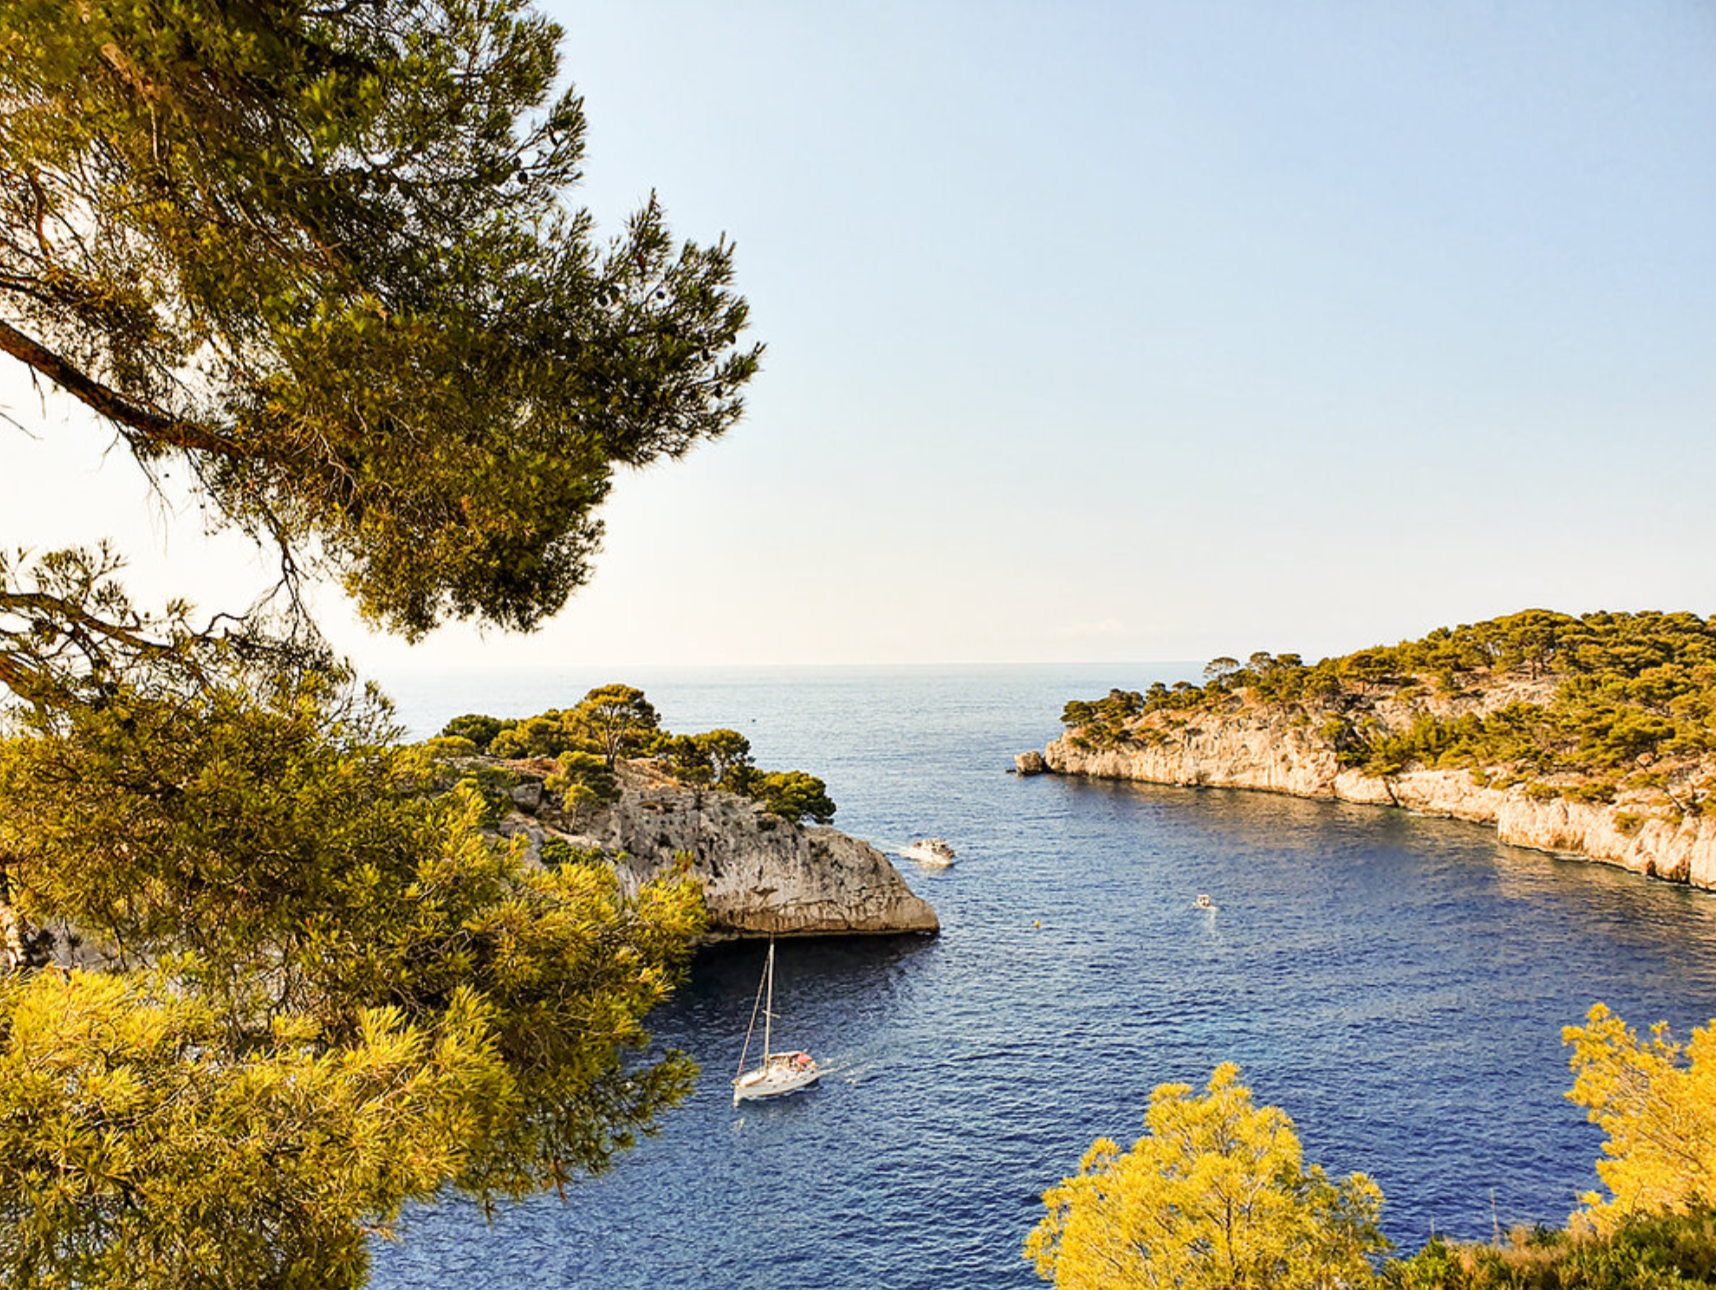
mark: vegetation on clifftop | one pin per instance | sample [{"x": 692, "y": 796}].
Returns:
[
  {"x": 1583, "y": 706},
  {"x": 614, "y": 721}
]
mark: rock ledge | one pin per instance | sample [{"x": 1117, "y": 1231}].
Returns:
[
  {"x": 762, "y": 875},
  {"x": 1257, "y": 748}
]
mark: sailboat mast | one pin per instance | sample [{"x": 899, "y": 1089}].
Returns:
[{"x": 769, "y": 1007}]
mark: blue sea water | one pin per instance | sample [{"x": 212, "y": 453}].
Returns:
[{"x": 1397, "y": 984}]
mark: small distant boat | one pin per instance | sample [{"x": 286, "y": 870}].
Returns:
[
  {"x": 1204, "y": 902},
  {"x": 933, "y": 852},
  {"x": 780, "y": 1072}
]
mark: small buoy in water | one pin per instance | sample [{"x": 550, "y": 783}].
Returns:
[{"x": 1036, "y": 922}]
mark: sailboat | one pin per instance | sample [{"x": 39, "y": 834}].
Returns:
[{"x": 780, "y": 1072}]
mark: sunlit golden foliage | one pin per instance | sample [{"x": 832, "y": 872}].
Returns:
[
  {"x": 1215, "y": 1195},
  {"x": 1656, "y": 1100}
]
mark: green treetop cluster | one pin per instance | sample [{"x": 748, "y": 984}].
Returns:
[
  {"x": 617, "y": 721},
  {"x": 1622, "y": 698}
]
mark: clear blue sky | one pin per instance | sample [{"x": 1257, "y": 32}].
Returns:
[{"x": 1132, "y": 331}]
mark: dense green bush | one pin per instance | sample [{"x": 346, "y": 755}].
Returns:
[
  {"x": 794, "y": 795},
  {"x": 447, "y": 747},
  {"x": 558, "y": 852},
  {"x": 544, "y": 735},
  {"x": 582, "y": 779},
  {"x": 492, "y": 786},
  {"x": 718, "y": 757},
  {"x": 480, "y": 730}
]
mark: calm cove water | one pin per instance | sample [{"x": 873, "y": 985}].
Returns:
[{"x": 1397, "y": 984}]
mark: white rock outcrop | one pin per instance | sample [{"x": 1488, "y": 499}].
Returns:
[
  {"x": 1261, "y": 748},
  {"x": 1030, "y": 763},
  {"x": 761, "y": 875}
]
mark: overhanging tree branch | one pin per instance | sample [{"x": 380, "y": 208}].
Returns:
[{"x": 155, "y": 428}]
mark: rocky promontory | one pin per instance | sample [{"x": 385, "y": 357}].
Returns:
[
  {"x": 1587, "y": 737},
  {"x": 1274, "y": 756},
  {"x": 762, "y": 874}
]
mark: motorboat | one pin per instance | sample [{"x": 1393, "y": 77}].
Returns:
[{"x": 933, "y": 852}]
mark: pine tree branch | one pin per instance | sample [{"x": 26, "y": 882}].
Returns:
[{"x": 141, "y": 425}]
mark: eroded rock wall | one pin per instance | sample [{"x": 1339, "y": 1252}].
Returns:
[
  {"x": 1281, "y": 753},
  {"x": 761, "y": 874}
]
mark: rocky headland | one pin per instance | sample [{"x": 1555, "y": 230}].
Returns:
[
  {"x": 762, "y": 875},
  {"x": 1555, "y": 753}
]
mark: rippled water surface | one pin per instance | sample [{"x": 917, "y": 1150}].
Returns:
[{"x": 1397, "y": 984}]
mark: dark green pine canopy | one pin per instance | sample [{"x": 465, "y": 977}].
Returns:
[{"x": 322, "y": 252}]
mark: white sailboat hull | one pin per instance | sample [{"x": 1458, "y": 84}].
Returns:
[{"x": 773, "y": 1080}]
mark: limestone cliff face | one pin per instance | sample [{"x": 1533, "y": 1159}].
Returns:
[
  {"x": 1281, "y": 752},
  {"x": 762, "y": 875}
]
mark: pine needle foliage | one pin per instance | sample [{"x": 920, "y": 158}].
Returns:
[
  {"x": 324, "y": 255},
  {"x": 260, "y": 982}
]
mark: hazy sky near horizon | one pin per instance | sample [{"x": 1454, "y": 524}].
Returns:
[{"x": 1103, "y": 331}]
